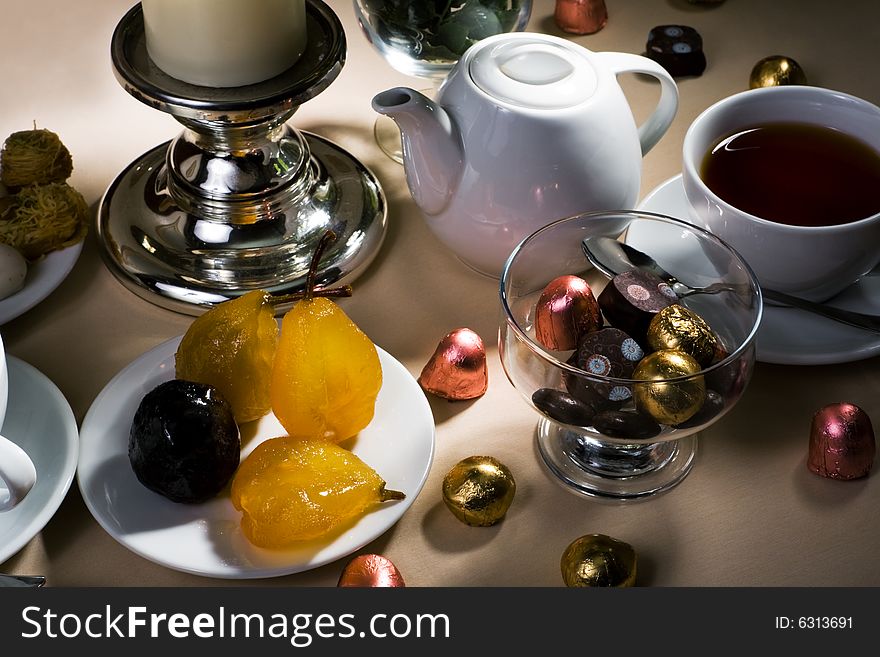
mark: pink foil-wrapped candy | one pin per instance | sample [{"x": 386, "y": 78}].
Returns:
[
  {"x": 842, "y": 442},
  {"x": 370, "y": 571},
  {"x": 457, "y": 370},
  {"x": 566, "y": 310},
  {"x": 581, "y": 16}
]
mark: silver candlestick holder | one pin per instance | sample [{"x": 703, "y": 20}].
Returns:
[{"x": 238, "y": 200}]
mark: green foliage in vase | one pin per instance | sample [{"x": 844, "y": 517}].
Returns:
[{"x": 440, "y": 29}]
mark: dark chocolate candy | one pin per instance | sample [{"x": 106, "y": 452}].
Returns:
[
  {"x": 625, "y": 424},
  {"x": 677, "y": 48},
  {"x": 607, "y": 352},
  {"x": 631, "y": 299},
  {"x": 562, "y": 407}
]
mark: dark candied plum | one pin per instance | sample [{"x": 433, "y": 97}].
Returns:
[{"x": 184, "y": 442}]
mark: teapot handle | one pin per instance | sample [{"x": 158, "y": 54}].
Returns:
[{"x": 655, "y": 126}]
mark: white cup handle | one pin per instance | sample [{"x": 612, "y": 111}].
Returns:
[
  {"x": 656, "y": 125},
  {"x": 17, "y": 473}
]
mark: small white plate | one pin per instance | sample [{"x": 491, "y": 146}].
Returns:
[
  {"x": 43, "y": 276},
  {"x": 39, "y": 420},
  {"x": 789, "y": 336},
  {"x": 206, "y": 539}
]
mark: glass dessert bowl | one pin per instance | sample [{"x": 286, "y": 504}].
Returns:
[{"x": 625, "y": 378}]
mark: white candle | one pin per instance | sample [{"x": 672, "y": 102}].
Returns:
[{"x": 224, "y": 43}]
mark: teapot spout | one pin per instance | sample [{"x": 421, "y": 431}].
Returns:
[{"x": 432, "y": 147}]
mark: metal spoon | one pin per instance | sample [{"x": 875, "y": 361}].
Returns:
[
  {"x": 22, "y": 581},
  {"x": 613, "y": 257}
]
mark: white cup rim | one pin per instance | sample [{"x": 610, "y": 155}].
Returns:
[{"x": 692, "y": 172}]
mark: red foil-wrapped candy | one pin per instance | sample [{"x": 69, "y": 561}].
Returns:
[
  {"x": 581, "y": 16},
  {"x": 842, "y": 442},
  {"x": 370, "y": 571},
  {"x": 566, "y": 310},
  {"x": 457, "y": 370}
]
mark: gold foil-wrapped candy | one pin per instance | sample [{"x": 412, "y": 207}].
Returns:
[
  {"x": 371, "y": 571},
  {"x": 599, "y": 560},
  {"x": 775, "y": 71},
  {"x": 677, "y": 327},
  {"x": 665, "y": 401},
  {"x": 479, "y": 490}
]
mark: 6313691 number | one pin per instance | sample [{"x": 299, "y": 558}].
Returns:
[{"x": 814, "y": 623}]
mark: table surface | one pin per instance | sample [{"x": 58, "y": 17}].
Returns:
[{"x": 749, "y": 514}]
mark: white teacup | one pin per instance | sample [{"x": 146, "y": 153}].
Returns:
[
  {"x": 813, "y": 262},
  {"x": 17, "y": 472}
]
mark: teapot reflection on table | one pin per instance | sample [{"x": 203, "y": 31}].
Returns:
[{"x": 528, "y": 128}]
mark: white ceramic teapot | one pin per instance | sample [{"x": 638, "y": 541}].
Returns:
[{"x": 528, "y": 128}]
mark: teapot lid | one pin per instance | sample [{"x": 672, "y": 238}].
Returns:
[{"x": 533, "y": 70}]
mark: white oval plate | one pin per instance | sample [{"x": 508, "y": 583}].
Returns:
[
  {"x": 789, "y": 336},
  {"x": 206, "y": 539},
  {"x": 43, "y": 276},
  {"x": 39, "y": 420}
]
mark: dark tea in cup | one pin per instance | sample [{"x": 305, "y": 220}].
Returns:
[
  {"x": 795, "y": 173},
  {"x": 792, "y": 182}
]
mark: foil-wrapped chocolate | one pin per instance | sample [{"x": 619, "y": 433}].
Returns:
[
  {"x": 581, "y": 16},
  {"x": 478, "y": 490},
  {"x": 565, "y": 311},
  {"x": 608, "y": 352},
  {"x": 775, "y": 71},
  {"x": 457, "y": 370},
  {"x": 599, "y": 560},
  {"x": 678, "y": 49},
  {"x": 669, "y": 402},
  {"x": 371, "y": 571},
  {"x": 842, "y": 444},
  {"x": 677, "y": 327},
  {"x": 712, "y": 406},
  {"x": 630, "y": 300},
  {"x": 563, "y": 407}
]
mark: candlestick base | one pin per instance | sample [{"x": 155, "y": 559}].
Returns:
[{"x": 239, "y": 200}]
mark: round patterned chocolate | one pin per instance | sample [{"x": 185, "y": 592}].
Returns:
[
  {"x": 631, "y": 299},
  {"x": 608, "y": 352},
  {"x": 677, "y": 48}
]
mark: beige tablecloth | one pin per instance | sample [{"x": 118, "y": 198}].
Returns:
[{"x": 748, "y": 514}]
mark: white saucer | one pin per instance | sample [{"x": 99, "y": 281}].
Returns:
[
  {"x": 39, "y": 420},
  {"x": 206, "y": 539},
  {"x": 789, "y": 336},
  {"x": 42, "y": 278}
]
